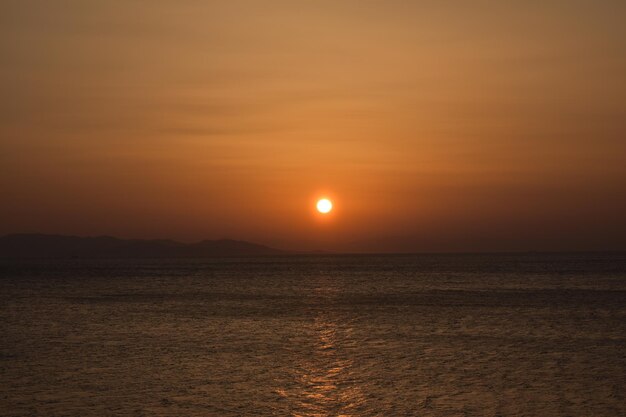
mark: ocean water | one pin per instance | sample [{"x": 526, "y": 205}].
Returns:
[{"x": 424, "y": 335}]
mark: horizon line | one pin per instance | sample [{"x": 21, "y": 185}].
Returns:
[{"x": 321, "y": 252}]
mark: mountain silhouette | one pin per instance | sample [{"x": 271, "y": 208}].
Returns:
[{"x": 56, "y": 246}]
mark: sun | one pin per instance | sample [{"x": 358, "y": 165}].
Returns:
[{"x": 324, "y": 205}]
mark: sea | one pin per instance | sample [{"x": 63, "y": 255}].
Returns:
[{"x": 334, "y": 335}]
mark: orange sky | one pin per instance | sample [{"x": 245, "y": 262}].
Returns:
[{"x": 433, "y": 125}]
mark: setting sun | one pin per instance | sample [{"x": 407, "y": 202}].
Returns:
[{"x": 324, "y": 205}]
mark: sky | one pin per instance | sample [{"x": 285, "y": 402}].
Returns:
[{"x": 431, "y": 125}]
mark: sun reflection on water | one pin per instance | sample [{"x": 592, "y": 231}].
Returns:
[{"x": 324, "y": 383}]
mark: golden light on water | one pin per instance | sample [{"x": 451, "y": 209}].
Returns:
[
  {"x": 324, "y": 205},
  {"x": 324, "y": 383}
]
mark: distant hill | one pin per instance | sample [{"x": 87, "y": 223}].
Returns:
[{"x": 54, "y": 246}]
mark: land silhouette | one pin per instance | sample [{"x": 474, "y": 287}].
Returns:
[{"x": 30, "y": 246}]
